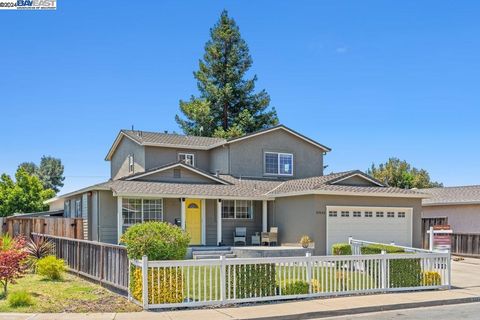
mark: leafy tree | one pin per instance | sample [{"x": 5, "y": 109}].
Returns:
[
  {"x": 227, "y": 105},
  {"x": 399, "y": 173},
  {"x": 30, "y": 167},
  {"x": 50, "y": 173},
  {"x": 12, "y": 255},
  {"x": 26, "y": 194}
]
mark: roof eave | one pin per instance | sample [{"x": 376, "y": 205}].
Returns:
[
  {"x": 187, "y": 195},
  {"x": 453, "y": 203},
  {"x": 350, "y": 193}
]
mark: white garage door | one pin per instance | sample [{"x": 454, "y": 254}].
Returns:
[{"x": 376, "y": 224}]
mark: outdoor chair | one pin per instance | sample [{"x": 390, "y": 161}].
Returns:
[
  {"x": 270, "y": 237},
  {"x": 240, "y": 235}
]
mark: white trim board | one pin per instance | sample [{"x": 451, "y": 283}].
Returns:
[{"x": 358, "y": 174}]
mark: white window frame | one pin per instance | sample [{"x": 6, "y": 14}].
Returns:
[
  {"x": 235, "y": 210},
  {"x": 278, "y": 163},
  {"x": 142, "y": 211},
  {"x": 186, "y": 155},
  {"x": 131, "y": 163}
]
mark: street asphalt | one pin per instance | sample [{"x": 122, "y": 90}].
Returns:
[{"x": 464, "y": 311}]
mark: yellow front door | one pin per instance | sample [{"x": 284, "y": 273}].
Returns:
[{"x": 193, "y": 221}]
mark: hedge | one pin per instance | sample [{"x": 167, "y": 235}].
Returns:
[
  {"x": 251, "y": 280},
  {"x": 377, "y": 249},
  {"x": 165, "y": 285},
  {"x": 402, "y": 272},
  {"x": 295, "y": 287},
  {"x": 342, "y": 249}
]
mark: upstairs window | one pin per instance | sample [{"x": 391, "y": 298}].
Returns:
[
  {"x": 188, "y": 158},
  {"x": 78, "y": 208},
  {"x": 131, "y": 163},
  {"x": 278, "y": 163},
  {"x": 66, "y": 208}
]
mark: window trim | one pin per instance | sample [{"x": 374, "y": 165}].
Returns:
[
  {"x": 278, "y": 163},
  {"x": 141, "y": 211},
  {"x": 131, "y": 163},
  {"x": 235, "y": 209},
  {"x": 187, "y": 154}
]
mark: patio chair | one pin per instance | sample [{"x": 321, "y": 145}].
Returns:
[
  {"x": 240, "y": 235},
  {"x": 270, "y": 237}
]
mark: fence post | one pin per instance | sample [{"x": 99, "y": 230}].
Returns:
[
  {"x": 430, "y": 239},
  {"x": 145, "y": 282},
  {"x": 223, "y": 283},
  {"x": 449, "y": 270},
  {"x": 383, "y": 270},
  {"x": 308, "y": 259}
]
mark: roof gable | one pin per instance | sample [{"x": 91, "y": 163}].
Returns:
[
  {"x": 356, "y": 178},
  {"x": 197, "y": 175},
  {"x": 284, "y": 128}
]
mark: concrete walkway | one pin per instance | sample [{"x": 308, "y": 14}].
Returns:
[{"x": 465, "y": 280}]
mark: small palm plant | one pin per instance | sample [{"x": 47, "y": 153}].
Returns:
[{"x": 38, "y": 248}]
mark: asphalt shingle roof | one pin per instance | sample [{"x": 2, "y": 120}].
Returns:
[
  {"x": 152, "y": 138},
  {"x": 247, "y": 188},
  {"x": 450, "y": 195}
]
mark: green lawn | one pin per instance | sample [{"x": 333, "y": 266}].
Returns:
[
  {"x": 69, "y": 295},
  {"x": 325, "y": 280}
]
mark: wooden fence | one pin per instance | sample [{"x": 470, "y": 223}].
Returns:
[
  {"x": 466, "y": 244},
  {"x": 55, "y": 226},
  {"x": 102, "y": 262}
]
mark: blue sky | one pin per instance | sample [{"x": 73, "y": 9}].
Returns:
[{"x": 370, "y": 79}]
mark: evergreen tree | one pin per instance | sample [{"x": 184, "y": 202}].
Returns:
[{"x": 227, "y": 105}]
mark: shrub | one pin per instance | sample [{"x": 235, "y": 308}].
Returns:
[
  {"x": 51, "y": 267},
  {"x": 405, "y": 273},
  {"x": 252, "y": 280},
  {"x": 342, "y": 249},
  {"x": 38, "y": 248},
  {"x": 295, "y": 288},
  {"x": 305, "y": 241},
  {"x": 165, "y": 285},
  {"x": 156, "y": 240},
  {"x": 12, "y": 254},
  {"x": 377, "y": 249},
  {"x": 20, "y": 299},
  {"x": 431, "y": 278}
]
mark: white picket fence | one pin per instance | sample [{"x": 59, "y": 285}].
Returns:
[{"x": 188, "y": 283}]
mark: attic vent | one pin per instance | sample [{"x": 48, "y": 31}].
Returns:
[{"x": 177, "y": 173}]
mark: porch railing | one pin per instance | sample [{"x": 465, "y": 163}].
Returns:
[{"x": 188, "y": 283}]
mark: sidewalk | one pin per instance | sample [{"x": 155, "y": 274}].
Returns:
[{"x": 465, "y": 280}]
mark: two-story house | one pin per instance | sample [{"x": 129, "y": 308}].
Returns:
[{"x": 209, "y": 186}]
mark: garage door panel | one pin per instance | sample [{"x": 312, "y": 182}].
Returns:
[{"x": 384, "y": 229}]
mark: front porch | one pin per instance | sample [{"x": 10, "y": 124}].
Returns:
[
  {"x": 214, "y": 252},
  {"x": 210, "y": 222}
]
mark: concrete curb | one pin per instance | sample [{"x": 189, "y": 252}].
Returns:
[{"x": 389, "y": 307}]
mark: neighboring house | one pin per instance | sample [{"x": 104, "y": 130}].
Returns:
[
  {"x": 457, "y": 206},
  {"x": 209, "y": 186}
]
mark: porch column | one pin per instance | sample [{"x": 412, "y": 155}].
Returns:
[
  {"x": 219, "y": 221},
  {"x": 204, "y": 239},
  {"x": 183, "y": 215},
  {"x": 119, "y": 218},
  {"x": 264, "y": 216}
]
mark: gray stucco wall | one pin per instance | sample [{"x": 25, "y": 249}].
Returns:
[
  {"x": 119, "y": 162},
  {"x": 219, "y": 160},
  {"x": 158, "y": 156},
  {"x": 462, "y": 218},
  {"x": 107, "y": 219},
  {"x": 305, "y": 215},
  {"x": 247, "y": 156}
]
